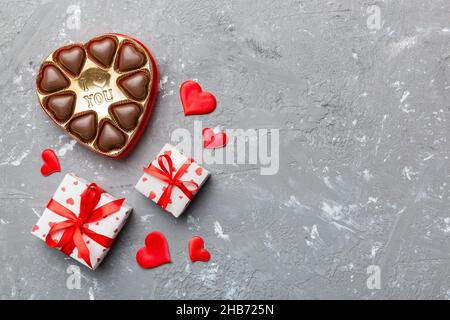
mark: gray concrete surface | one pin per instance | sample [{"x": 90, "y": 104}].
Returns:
[{"x": 364, "y": 169}]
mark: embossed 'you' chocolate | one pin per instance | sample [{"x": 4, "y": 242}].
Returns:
[{"x": 101, "y": 93}]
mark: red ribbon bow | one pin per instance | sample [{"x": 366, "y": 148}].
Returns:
[
  {"x": 74, "y": 227},
  {"x": 166, "y": 174}
]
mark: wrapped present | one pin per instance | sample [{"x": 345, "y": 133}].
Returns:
[
  {"x": 82, "y": 220},
  {"x": 172, "y": 180}
]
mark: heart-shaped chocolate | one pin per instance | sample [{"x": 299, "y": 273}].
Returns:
[
  {"x": 51, "y": 79},
  {"x": 71, "y": 58},
  {"x": 102, "y": 50},
  {"x": 61, "y": 105},
  {"x": 126, "y": 114},
  {"x": 129, "y": 57},
  {"x": 101, "y": 93},
  {"x": 135, "y": 85}
]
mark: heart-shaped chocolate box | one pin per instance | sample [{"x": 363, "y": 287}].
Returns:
[{"x": 101, "y": 93}]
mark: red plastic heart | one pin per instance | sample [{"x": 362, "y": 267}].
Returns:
[
  {"x": 51, "y": 162},
  {"x": 155, "y": 252},
  {"x": 213, "y": 140},
  {"x": 197, "y": 251},
  {"x": 194, "y": 100}
]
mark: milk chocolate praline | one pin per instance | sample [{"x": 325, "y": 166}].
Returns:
[
  {"x": 135, "y": 85},
  {"x": 102, "y": 50},
  {"x": 61, "y": 105},
  {"x": 110, "y": 137},
  {"x": 71, "y": 58},
  {"x": 51, "y": 79},
  {"x": 84, "y": 126},
  {"x": 130, "y": 57},
  {"x": 126, "y": 114}
]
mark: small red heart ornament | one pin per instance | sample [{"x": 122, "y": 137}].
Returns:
[
  {"x": 155, "y": 252},
  {"x": 195, "y": 100},
  {"x": 197, "y": 251},
  {"x": 51, "y": 162},
  {"x": 212, "y": 140}
]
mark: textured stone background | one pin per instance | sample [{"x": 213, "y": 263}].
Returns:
[{"x": 363, "y": 119}]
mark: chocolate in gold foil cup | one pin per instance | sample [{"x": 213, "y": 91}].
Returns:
[{"x": 101, "y": 93}]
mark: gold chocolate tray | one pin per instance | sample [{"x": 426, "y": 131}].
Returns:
[{"x": 101, "y": 92}]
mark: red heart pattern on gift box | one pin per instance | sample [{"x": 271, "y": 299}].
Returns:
[
  {"x": 199, "y": 171},
  {"x": 168, "y": 152},
  {"x": 197, "y": 251},
  {"x": 155, "y": 252},
  {"x": 51, "y": 162},
  {"x": 195, "y": 100}
]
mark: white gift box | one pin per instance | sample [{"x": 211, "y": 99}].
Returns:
[
  {"x": 68, "y": 195},
  {"x": 153, "y": 187}
]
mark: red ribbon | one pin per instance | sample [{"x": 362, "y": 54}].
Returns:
[
  {"x": 74, "y": 227},
  {"x": 166, "y": 173}
]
